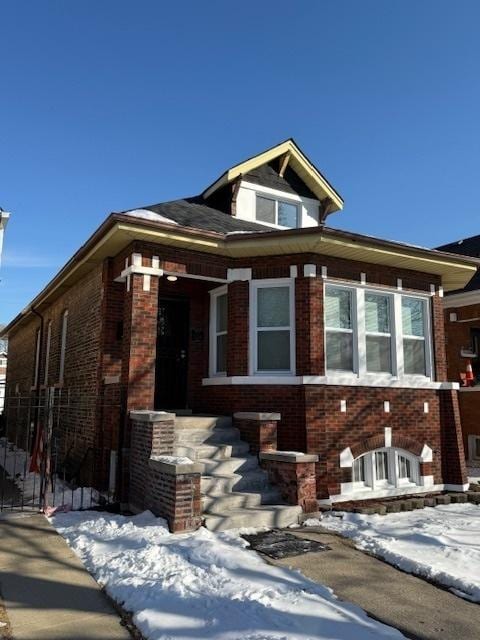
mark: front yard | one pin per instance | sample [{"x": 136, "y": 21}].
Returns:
[
  {"x": 206, "y": 585},
  {"x": 441, "y": 544}
]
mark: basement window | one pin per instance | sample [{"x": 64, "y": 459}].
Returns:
[{"x": 386, "y": 468}]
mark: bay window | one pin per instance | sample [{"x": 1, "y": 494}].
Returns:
[
  {"x": 272, "y": 323},
  {"x": 218, "y": 331},
  {"x": 372, "y": 332}
]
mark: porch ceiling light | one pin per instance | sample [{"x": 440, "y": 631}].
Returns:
[{"x": 172, "y": 278}]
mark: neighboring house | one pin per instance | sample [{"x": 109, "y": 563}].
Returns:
[
  {"x": 241, "y": 299},
  {"x": 462, "y": 323}
]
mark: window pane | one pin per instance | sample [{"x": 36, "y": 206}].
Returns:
[
  {"x": 404, "y": 467},
  {"x": 222, "y": 313},
  {"x": 287, "y": 214},
  {"x": 379, "y": 354},
  {"x": 414, "y": 356},
  {"x": 413, "y": 317},
  {"x": 477, "y": 447},
  {"x": 221, "y": 364},
  {"x": 359, "y": 470},
  {"x": 377, "y": 313},
  {"x": 381, "y": 466},
  {"x": 273, "y": 308},
  {"x": 338, "y": 308},
  {"x": 265, "y": 210},
  {"x": 273, "y": 350},
  {"x": 339, "y": 351}
]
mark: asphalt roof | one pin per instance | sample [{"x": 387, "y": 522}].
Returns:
[
  {"x": 194, "y": 213},
  {"x": 466, "y": 247}
]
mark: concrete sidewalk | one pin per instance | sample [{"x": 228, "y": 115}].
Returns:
[
  {"x": 415, "y": 607},
  {"x": 46, "y": 590}
]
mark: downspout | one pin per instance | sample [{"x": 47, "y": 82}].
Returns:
[{"x": 37, "y": 386}]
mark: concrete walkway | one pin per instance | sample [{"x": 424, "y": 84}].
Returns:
[
  {"x": 45, "y": 588},
  {"x": 415, "y": 607}
]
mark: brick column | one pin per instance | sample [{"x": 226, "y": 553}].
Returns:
[
  {"x": 294, "y": 474},
  {"x": 454, "y": 469},
  {"x": 165, "y": 484},
  {"x": 140, "y": 339},
  {"x": 309, "y": 326},
  {"x": 258, "y": 429},
  {"x": 439, "y": 348},
  {"x": 238, "y": 322}
]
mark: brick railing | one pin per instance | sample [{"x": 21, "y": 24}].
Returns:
[
  {"x": 168, "y": 486},
  {"x": 294, "y": 474},
  {"x": 258, "y": 429}
]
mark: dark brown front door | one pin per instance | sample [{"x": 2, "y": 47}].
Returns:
[{"x": 172, "y": 354}]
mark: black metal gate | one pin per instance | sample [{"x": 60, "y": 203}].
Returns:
[{"x": 50, "y": 456}]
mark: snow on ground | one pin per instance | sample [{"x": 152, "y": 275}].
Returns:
[
  {"x": 206, "y": 585},
  {"x": 16, "y": 462},
  {"x": 441, "y": 544}
]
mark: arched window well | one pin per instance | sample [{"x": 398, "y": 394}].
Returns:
[{"x": 387, "y": 468}]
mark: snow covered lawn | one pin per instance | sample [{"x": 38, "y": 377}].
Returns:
[
  {"x": 440, "y": 544},
  {"x": 206, "y": 585}
]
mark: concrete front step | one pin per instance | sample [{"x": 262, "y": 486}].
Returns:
[
  {"x": 228, "y": 466},
  {"x": 254, "y": 480},
  {"x": 222, "y": 504},
  {"x": 257, "y": 517},
  {"x": 213, "y": 452},
  {"x": 198, "y": 437},
  {"x": 203, "y": 422}
]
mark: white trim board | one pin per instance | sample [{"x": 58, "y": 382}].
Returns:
[{"x": 328, "y": 381}]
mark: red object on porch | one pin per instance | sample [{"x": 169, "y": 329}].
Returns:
[
  {"x": 469, "y": 374},
  {"x": 38, "y": 449}
]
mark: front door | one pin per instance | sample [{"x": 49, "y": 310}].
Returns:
[{"x": 172, "y": 354}]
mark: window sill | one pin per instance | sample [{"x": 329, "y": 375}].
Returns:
[{"x": 346, "y": 380}]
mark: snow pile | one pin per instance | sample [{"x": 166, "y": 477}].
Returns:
[
  {"x": 146, "y": 214},
  {"x": 16, "y": 463},
  {"x": 441, "y": 544},
  {"x": 206, "y": 585}
]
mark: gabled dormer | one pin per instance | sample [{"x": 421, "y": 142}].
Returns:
[{"x": 279, "y": 187}]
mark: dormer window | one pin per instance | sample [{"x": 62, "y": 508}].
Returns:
[{"x": 277, "y": 212}]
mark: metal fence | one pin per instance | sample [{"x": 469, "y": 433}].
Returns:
[{"x": 52, "y": 453}]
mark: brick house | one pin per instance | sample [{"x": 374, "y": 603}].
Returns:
[
  {"x": 462, "y": 328},
  {"x": 242, "y": 302}
]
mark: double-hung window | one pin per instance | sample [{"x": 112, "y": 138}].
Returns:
[
  {"x": 414, "y": 330},
  {"x": 218, "y": 331},
  {"x": 278, "y": 212},
  {"x": 272, "y": 320},
  {"x": 339, "y": 310},
  {"x": 376, "y": 333}
]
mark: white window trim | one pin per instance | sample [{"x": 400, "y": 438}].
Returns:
[
  {"x": 63, "y": 345},
  {"x": 214, "y": 295},
  {"x": 253, "y": 355},
  {"x": 359, "y": 336},
  {"x": 47, "y": 352}
]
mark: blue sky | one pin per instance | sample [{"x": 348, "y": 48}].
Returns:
[{"x": 110, "y": 105}]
